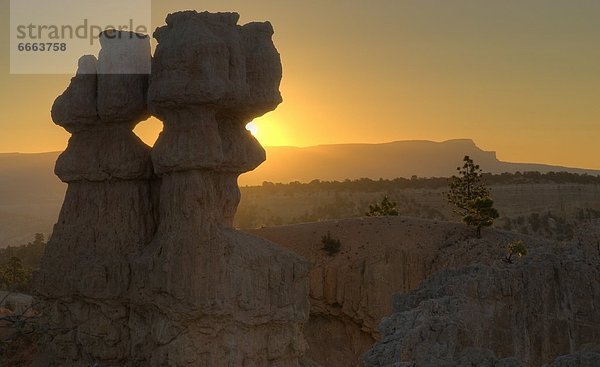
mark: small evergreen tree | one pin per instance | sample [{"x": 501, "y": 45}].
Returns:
[
  {"x": 471, "y": 197},
  {"x": 467, "y": 186},
  {"x": 383, "y": 209},
  {"x": 480, "y": 213}
]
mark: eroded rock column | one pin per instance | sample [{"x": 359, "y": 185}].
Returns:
[
  {"x": 107, "y": 215},
  {"x": 143, "y": 267},
  {"x": 209, "y": 295}
]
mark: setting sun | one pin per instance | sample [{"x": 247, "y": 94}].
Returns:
[{"x": 253, "y": 128}]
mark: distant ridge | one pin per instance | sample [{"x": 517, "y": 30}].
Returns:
[{"x": 386, "y": 160}]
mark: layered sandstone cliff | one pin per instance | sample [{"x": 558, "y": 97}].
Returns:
[
  {"x": 352, "y": 291},
  {"x": 529, "y": 313}
]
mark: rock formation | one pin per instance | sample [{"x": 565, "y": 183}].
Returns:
[
  {"x": 587, "y": 356},
  {"x": 351, "y": 292},
  {"x": 15, "y": 302},
  {"x": 107, "y": 214},
  {"x": 143, "y": 267},
  {"x": 528, "y": 312},
  {"x": 213, "y": 293}
]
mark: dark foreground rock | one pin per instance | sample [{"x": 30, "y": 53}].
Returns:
[{"x": 529, "y": 312}]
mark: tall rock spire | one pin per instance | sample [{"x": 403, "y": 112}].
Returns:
[
  {"x": 144, "y": 267},
  {"x": 224, "y": 297}
]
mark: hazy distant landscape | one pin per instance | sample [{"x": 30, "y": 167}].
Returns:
[
  {"x": 280, "y": 191},
  {"x": 530, "y": 204},
  {"x": 389, "y": 160}
]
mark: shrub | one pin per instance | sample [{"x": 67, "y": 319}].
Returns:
[
  {"x": 518, "y": 248},
  {"x": 383, "y": 209},
  {"x": 331, "y": 245},
  {"x": 14, "y": 276}
]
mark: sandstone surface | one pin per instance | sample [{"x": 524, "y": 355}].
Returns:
[
  {"x": 143, "y": 267},
  {"x": 15, "y": 302},
  {"x": 530, "y": 311},
  {"x": 351, "y": 292},
  {"x": 587, "y": 356}
]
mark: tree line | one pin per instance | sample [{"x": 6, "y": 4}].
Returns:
[{"x": 370, "y": 185}]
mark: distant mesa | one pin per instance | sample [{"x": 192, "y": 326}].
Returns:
[
  {"x": 388, "y": 160},
  {"x": 405, "y": 158}
]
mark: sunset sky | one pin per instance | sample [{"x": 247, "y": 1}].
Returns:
[{"x": 519, "y": 77}]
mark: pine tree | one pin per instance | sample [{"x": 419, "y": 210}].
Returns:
[
  {"x": 471, "y": 197},
  {"x": 466, "y": 187},
  {"x": 481, "y": 213}
]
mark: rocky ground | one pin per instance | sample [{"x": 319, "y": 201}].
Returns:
[
  {"x": 17, "y": 339},
  {"x": 445, "y": 297},
  {"x": 351, "y": 292}
]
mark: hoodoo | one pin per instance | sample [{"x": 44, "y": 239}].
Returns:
[{"x": 144, "y": 267}]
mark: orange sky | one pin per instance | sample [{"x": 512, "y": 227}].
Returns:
[{"x": 519, "y": 77}]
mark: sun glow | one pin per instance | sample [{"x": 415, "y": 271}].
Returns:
[
  {"x": 253, "y": 128},
  {"x": 271, "y": 134}
]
